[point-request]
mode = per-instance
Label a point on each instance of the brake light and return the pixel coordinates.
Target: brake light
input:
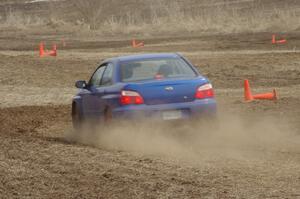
(131, 97)
(204, 91)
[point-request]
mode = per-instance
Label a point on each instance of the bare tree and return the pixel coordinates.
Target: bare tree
(90, 11)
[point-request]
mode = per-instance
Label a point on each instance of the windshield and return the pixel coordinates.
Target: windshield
(155, 69)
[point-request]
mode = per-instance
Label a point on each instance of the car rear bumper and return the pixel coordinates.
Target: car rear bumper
(186, 110)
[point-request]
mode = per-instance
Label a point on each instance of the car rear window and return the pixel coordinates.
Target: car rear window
(155, 69)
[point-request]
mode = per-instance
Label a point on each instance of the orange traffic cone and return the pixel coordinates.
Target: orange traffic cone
(247, 91)
(133, 43)
(54, 51)
(273, 39)
(136, 45)
(282, 41)
(42, 50)
(266, 96)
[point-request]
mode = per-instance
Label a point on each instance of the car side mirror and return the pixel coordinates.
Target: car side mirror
(81, 84)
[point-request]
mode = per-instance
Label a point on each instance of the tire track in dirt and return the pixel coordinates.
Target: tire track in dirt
(37, 160)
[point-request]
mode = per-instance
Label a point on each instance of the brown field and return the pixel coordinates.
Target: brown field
(252, 152)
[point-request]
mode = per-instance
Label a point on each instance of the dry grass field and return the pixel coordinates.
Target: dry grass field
(252, 152)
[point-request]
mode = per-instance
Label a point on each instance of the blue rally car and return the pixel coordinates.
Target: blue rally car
(163, 86)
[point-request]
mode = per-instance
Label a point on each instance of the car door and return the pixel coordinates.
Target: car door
(95, 101)
(98, 96)
(107, 87)
(91, 97)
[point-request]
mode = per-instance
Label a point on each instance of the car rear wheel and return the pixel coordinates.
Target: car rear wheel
(77, 118)
(107, 117)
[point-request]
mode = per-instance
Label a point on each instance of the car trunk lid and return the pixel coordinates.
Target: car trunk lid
(168, 90)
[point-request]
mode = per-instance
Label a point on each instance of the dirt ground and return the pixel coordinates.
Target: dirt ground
(253, 152)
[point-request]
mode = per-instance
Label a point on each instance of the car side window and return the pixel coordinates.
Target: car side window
(97, 76)
(107, 78)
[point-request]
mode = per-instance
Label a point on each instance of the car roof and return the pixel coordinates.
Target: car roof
(144, 56)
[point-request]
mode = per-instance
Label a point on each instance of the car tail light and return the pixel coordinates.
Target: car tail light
(204, 91)
(131, 97)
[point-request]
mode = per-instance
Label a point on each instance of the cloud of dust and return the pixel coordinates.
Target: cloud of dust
(234, 137)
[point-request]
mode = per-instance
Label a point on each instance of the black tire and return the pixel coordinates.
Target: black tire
(107, 117)
(77, 119)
